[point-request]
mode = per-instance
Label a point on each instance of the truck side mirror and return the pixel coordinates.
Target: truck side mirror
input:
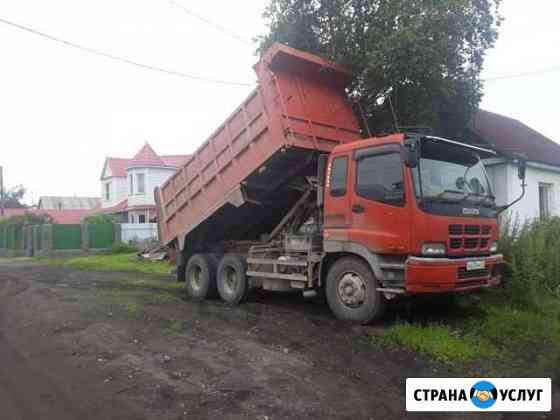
(411, 152)
(521, 163)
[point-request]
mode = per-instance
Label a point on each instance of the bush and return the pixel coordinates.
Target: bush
(123, 248)
(99, 219)
(532, 253)
(28, 218)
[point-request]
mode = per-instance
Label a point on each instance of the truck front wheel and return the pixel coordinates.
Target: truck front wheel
(351, 291)
(200, 278)
(233, 286)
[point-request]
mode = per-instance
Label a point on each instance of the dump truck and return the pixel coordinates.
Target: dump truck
(287, 195)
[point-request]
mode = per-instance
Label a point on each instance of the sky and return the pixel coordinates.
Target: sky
(63, 111)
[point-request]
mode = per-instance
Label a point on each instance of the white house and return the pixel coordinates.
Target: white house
(506, 136)
(127, 185)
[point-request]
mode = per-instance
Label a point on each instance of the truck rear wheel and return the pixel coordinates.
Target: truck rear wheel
(351, 291)
(200, 278)
(232, 282)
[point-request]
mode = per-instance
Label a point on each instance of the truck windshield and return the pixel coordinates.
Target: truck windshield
(448, 172)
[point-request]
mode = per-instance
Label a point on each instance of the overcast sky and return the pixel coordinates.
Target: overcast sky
(62, 111)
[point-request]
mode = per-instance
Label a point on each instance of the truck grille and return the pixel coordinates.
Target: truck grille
(469, 238)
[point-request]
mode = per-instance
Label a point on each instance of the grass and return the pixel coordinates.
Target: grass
(494, 333)
(117, 262)
(175, 327)
(439, 342)
(134, 309)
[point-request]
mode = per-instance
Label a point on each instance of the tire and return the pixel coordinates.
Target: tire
(181, 272)
(200, 278)
(233, 286)
(351, 291)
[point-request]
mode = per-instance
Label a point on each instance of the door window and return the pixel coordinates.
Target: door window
(380, 178)
(338, 176)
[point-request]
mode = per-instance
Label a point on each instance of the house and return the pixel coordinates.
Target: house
(506, 136)
(69, 203)
(127, 185)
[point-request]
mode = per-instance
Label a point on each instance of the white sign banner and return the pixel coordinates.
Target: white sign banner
(479, 394)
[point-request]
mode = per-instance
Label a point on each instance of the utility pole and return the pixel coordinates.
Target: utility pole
(1, 191)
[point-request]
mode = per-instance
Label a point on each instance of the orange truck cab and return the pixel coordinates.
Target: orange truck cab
(421, 206)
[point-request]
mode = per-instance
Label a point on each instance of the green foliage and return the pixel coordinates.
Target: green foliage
(12, 198)
(426, 56)
(175, 327)
(439, 342)
(532, 252)
(123, 248)
(119, 262)
(99, 219)
(134, 309)
(496, 333)
(28, 218)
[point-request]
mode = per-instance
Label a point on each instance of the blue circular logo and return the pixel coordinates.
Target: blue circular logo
(484, 394)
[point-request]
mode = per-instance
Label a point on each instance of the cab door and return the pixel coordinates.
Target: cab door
(337, 215)
(379, 208)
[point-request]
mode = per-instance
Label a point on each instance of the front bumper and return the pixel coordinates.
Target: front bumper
(440, 275)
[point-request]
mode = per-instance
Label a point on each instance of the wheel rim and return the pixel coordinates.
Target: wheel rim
(230, 281)
(351, 289)
(195, 278)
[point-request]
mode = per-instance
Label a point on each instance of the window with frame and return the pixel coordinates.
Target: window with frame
(380, 178)
(130, 184)
(339, 176)
(141, 183)
(108, 191)
(141, 218)
(545, 200)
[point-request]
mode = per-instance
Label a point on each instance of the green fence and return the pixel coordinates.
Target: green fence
(14, 238)
(48, 239)
(2, 238)
(66, 237)
(101, 236)
(37, 238)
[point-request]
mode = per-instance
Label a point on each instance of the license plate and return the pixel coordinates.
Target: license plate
(475, 265)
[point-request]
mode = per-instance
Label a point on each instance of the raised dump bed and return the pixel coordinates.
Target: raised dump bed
(243, 179)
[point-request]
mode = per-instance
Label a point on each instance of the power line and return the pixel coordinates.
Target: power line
(529, 73)
(121, 59)
(209, 22)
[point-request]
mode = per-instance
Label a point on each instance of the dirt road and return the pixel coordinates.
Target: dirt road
(91, 345)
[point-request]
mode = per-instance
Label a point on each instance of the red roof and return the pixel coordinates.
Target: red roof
(68, 217)
(146, 156)
(117, 166)
(117, 208)
(509, 135)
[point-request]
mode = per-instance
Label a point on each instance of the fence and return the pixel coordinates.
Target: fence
(139, 232)
(53, 240)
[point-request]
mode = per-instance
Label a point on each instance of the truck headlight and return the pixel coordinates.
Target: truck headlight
(433, 249)
(493, 246)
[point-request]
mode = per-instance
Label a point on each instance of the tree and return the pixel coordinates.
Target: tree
(420, 58)
(99, 219)
(12, 198)
(28, 218)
